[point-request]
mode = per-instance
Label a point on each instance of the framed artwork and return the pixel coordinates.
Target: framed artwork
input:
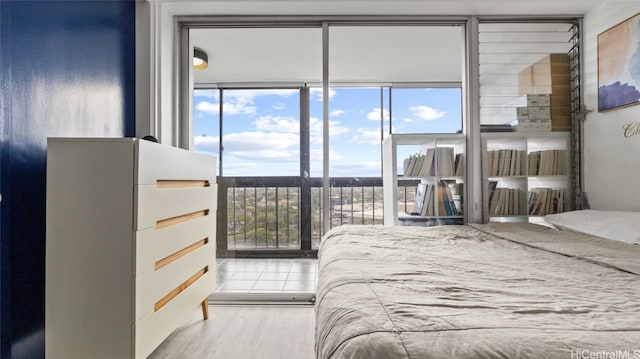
(619, 65)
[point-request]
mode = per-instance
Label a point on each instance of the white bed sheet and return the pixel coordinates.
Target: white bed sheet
(615, 225)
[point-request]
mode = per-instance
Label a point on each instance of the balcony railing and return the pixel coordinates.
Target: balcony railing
(265, 213)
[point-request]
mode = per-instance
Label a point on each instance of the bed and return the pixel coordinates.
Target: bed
(494, 290)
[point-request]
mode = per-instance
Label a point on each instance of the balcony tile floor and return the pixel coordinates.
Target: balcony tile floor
(242, 275)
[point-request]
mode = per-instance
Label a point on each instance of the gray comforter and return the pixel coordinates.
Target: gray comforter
(476, 291)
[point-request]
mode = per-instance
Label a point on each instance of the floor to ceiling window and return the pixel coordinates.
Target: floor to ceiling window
(259, 108)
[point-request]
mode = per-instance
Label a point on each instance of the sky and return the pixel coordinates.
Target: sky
(261, 128)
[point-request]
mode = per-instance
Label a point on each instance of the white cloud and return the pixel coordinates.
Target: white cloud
(208, 107)
(263, 146)
(407, 120)
(315, 127)
(374, 115)
(239, 107)
(366, 136)
(426, 112)
(259, 141)
(317, 92)
(268, 155)
(230, 108)
(364, 169)
(239, 102)
(207, 144)
(278, 124)
(210, 93)
(250, 95)
(317, 153)
(336, 113)
(279, 106)
(239, 165)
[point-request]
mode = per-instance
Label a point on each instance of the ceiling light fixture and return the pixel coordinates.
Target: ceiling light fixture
(200, 59)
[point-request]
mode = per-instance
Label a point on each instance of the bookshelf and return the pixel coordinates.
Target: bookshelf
(434, 163)
(526, 175)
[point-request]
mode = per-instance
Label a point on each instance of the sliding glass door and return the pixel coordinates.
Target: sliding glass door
(281, 137)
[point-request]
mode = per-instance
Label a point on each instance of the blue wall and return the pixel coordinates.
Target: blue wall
(68, 69)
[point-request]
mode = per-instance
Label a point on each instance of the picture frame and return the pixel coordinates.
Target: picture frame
(619, 65)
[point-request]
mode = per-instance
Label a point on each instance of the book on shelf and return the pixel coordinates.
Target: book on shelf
(428, 208)
(459, 164)
(506, 162)
(418, 203)
(543, 201)
(417, 165)
(450, 194)
(456, 189)
(491, 189)
(423, 201)
(505, 202)
(413, 165)
(443, 195)
(445, 161)
(428, 164)
(407, 165)
(546, 163)
(435, 161)
(442, 201)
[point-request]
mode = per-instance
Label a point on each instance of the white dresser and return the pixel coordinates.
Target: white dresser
(130, 244)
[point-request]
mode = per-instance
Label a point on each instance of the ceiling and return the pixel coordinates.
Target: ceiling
(357, 53)
(380, 7)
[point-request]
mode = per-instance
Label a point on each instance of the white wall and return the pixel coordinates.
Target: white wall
(611, 160)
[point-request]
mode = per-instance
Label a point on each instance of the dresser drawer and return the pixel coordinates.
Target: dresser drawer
(157, 163)
(156, 248)
(159, 207)
(152, 329)
(158, 288)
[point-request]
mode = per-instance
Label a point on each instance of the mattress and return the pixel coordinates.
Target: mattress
(475, 291)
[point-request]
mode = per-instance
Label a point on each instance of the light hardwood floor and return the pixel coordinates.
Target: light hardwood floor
(238, 332)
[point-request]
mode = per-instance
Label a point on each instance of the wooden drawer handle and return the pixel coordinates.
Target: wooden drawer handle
(180, 219)
(174, 293)
(179, 254)
(182, 183)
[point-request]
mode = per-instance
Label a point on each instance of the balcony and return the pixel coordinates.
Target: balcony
(284, 215)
